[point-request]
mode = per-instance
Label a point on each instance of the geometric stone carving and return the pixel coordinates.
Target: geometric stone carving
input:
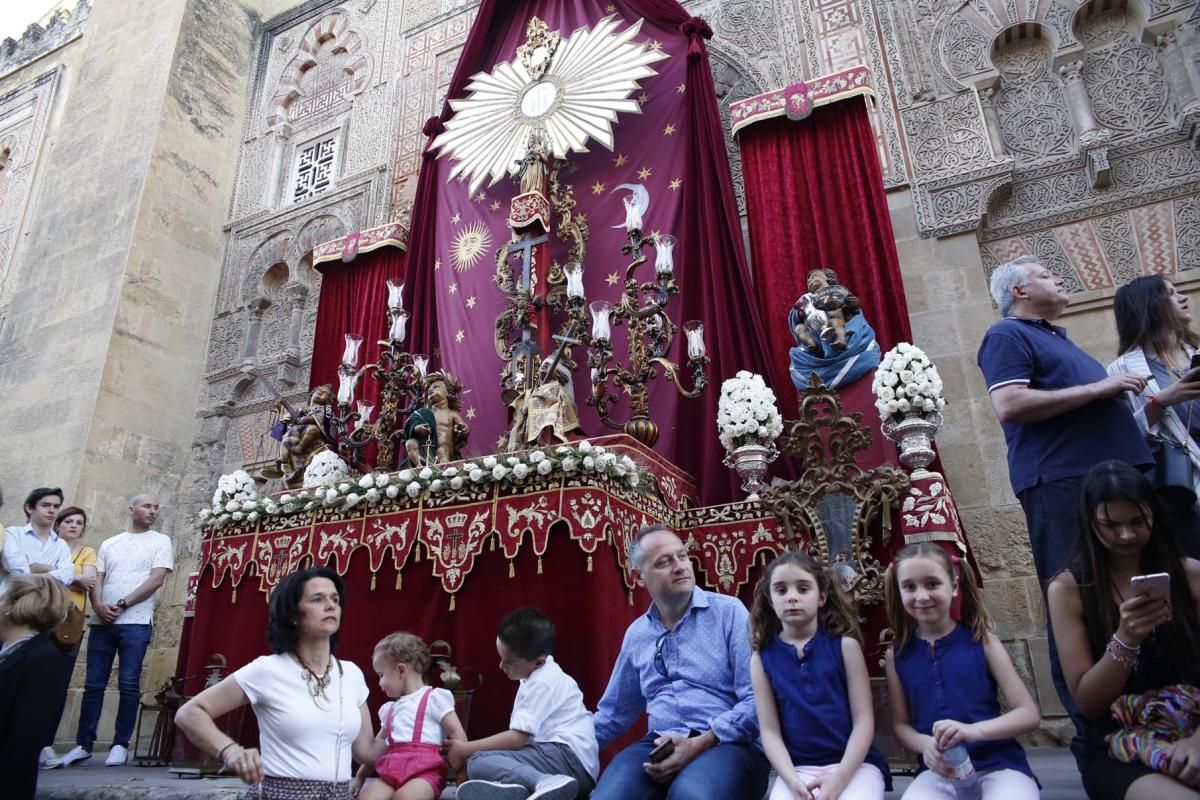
(1118, 69)
(1031, 107)
(331, 66)
(946, 136)
(64, 26)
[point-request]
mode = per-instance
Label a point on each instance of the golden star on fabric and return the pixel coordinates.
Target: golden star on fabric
(643, 97)
(613, 279)
(675, 184)
(656, 45)
(644, 173)
(610, 9)
(597, 188)
(500, 444)
(452, 288)
(669, 130)
(457, 218)
(621, 160)
(495, 206)
(581, 219)
(470, 413)
(471, 301)
(480, 197)
(656, 233)
(437, 352)
(437, 264)
(458, 337)
(681, 88)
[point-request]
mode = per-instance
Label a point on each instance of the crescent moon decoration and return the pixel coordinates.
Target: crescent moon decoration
(640, 196)
(591, 78)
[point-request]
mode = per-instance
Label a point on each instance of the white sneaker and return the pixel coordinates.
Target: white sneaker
(73, 756)
(491, 790)
(117, 757)
(556, 787)
(47, 758)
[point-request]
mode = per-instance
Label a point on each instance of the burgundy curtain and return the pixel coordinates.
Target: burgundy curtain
(699, 209)
(815, 198)
(354, 300)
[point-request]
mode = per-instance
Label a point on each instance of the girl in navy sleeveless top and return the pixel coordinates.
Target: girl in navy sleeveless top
(811, 687)
(943, 675)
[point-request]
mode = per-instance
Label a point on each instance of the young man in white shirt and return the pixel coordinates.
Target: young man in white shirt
(131, 566)
(35, 548)
(549, 751)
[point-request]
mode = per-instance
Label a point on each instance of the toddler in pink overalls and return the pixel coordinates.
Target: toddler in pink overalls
(414, 725)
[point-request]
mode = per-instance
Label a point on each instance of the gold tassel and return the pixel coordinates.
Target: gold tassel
(492, 544)
(372, 581)
(512, 573)
(629, 593)
(539, 565)
(234, 598)
(452, 599)
(399, 581)
(589, 563)
(417, 553)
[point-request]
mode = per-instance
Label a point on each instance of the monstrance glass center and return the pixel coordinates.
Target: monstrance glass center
(539, 99)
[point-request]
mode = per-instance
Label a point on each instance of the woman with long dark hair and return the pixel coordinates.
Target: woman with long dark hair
(311, 706)
(1116, 639)
(1156, 341)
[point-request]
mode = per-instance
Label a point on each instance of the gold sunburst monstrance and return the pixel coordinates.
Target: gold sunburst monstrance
(589, 79)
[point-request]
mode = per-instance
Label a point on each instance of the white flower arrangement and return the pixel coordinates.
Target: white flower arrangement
(325, 469)
(746, 412)
(339, 490)
(907, 383)
(236, 487)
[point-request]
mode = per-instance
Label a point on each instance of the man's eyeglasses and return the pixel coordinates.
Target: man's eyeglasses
(660, 661)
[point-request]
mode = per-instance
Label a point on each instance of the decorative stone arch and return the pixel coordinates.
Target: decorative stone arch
(329, 36)
(274, 249)
(322, 227)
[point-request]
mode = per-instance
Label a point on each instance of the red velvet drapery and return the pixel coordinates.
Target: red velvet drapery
(815, 198)
(699, 209)
(354, 300)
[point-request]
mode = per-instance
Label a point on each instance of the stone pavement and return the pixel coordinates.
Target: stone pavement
(93, 781)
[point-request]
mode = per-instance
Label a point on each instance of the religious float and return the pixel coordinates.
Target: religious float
(478, 439)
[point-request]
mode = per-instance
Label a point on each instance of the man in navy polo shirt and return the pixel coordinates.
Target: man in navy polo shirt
(1062, 413)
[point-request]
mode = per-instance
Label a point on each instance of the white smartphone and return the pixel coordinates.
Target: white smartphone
(1156, 586)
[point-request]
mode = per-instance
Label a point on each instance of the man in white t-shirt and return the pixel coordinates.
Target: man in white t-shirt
(131, 566)
(549, 751)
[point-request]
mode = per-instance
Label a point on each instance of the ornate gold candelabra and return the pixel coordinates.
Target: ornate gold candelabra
(401, 376)
(642, 308)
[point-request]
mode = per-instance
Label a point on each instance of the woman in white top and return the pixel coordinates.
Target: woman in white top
(311, 706)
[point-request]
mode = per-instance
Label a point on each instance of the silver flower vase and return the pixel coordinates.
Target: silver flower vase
(750, 461)
(913, 435)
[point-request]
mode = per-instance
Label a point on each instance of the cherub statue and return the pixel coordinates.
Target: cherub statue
(436, 432)
(831, 305)
(306, 434)
(832, 336)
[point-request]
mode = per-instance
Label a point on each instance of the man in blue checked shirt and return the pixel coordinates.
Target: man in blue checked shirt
(686, 662)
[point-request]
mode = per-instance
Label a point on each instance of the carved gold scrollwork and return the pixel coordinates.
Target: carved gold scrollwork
(834, 499)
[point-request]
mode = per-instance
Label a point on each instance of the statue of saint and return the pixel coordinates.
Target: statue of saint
(436, 432)
(535, 164)
(546, 414)
(306, 434)
(833, 338)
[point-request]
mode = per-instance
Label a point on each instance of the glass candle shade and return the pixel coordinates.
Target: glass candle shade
(694, 331)
(395, 294)
(421, 363)
(347, 380)
(664, 261)
(364, 414)
(633, 214)
(350, 353)
(601, 310)
(397, 330)
(574, 273)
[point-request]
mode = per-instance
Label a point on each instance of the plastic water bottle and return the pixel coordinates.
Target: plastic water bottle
(966, 779)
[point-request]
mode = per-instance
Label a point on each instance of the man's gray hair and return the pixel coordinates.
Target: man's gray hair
(635, 553)
(1008, 276)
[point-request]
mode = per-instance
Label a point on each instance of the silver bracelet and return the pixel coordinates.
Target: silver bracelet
(221, 752)
(1134, 650)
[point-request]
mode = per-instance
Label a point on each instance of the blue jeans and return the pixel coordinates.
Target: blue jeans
(129, 643)
(727, 770)
(1052, 516)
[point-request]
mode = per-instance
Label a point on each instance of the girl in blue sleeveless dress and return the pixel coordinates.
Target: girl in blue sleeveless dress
(811, 686)
(943, 676)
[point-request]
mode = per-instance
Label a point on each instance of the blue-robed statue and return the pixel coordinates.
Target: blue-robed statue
(833, 338)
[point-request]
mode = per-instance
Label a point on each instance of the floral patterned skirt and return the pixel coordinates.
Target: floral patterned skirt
(297, 789)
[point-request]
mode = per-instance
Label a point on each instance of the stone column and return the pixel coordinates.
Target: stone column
(277, 176)
(296, 294)
(255, 308)
(1078, 101)
(1175, 63)
(992, 121)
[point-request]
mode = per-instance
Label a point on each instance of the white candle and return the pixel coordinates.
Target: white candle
(694, 331)
(633, 214)
(350, 354)
(399, 322)
(664, 261)
(600, 313)
(395, 294)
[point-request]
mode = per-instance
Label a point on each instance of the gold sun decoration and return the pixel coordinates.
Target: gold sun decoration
(469, 245)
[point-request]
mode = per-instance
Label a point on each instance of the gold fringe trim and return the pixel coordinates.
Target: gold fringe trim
(399, 581)
(589, 563)
(234, 598)
(629, 594)
(539, 565)
(512, 572)
(372, 581)
(452, 599)
(492, 544)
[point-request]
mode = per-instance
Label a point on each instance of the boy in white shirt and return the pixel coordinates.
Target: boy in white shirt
(549, 751)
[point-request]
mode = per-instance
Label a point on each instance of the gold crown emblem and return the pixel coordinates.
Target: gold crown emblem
(457, 520)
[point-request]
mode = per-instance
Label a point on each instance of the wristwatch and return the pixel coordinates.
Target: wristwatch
(121, 604)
